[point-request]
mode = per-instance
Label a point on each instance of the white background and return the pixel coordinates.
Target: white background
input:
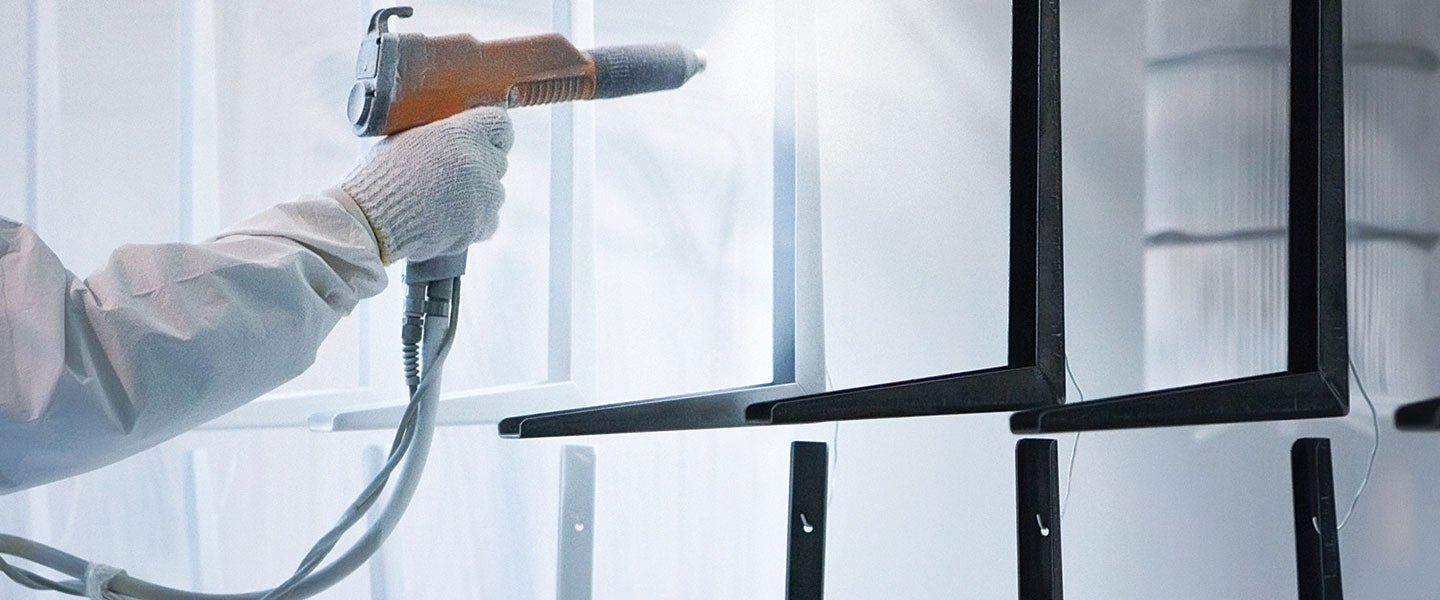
(913, 129)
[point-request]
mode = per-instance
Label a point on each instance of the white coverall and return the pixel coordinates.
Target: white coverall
(166, 337)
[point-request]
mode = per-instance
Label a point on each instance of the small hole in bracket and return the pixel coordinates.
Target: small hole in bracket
(805, 524)
(579, 527)
(1044, 531)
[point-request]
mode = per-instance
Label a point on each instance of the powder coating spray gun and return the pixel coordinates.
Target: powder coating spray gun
(403, 81)
(409, 79)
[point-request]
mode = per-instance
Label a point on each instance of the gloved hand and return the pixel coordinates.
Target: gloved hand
(434, 190)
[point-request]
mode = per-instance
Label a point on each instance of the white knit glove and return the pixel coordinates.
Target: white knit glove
(435, 189)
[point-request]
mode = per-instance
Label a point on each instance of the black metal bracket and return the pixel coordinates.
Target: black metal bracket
(1035, 371)
(1037, 525)
(1315, 383)
(1037, 519)
(809, 484)
(1317, 541)
(1419, 416)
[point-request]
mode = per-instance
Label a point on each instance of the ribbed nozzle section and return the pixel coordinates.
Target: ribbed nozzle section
(549, 91)
(627, 70)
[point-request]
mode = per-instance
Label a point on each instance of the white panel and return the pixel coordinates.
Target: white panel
(15, 87)
(697, 514)
(572, 220)
(914, 163)
(275, 493)
(281, 71)
(201, 519)
(1103, 114)
(130, 513)
(684, 204)
(914, 141)
(1392, 118)
(199, 122)
(1217, 147)
(108, 129)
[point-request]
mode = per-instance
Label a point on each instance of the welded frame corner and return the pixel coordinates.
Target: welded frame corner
(1035, 371)
(1315, 383)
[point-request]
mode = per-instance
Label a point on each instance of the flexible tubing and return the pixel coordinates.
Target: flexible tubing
(428, 397)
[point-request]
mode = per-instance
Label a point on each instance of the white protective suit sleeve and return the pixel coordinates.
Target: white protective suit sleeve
(166, 337)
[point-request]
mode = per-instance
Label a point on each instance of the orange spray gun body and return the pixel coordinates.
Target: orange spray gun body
(404, 80)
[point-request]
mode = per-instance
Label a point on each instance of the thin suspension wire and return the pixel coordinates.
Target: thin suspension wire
(835, 439)
(1374, 448)
(1074, 446)
(834, 450)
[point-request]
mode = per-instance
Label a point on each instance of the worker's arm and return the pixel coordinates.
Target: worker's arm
(166, 337)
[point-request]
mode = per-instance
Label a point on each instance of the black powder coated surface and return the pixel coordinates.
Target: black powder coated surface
(809, 484)
(1037, 519)
(1316, 382)
(1317, 541)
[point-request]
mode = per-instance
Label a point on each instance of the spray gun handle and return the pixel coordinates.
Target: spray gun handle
(435, 269)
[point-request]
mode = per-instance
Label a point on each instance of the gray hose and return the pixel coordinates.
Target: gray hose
(427, 398)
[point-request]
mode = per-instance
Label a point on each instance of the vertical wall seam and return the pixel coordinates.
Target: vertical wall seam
(32, 113)
(784, 127)
(560, 349)
(185, 99)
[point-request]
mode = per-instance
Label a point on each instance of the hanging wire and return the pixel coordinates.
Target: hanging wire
(1374, 448)
(834, 449)
(835, 438)
(1074, 446)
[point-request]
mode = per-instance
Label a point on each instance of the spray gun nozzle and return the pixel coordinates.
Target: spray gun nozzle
(701, 60)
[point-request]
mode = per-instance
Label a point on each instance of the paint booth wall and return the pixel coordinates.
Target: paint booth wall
(1167, 128)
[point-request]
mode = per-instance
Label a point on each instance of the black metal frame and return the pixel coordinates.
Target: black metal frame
(1035, 371)
(805, 550)
(1037, 525)
(1037, 520)
(1419, 416)
(1317, 539)
(1315, 383)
